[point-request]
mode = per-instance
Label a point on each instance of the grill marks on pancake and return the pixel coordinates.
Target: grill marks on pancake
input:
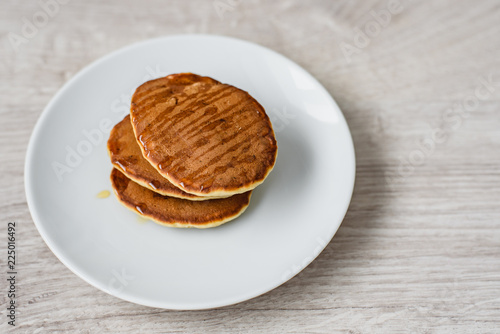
(167, 117)
(194, 137)
(231, 149)
(236, 140)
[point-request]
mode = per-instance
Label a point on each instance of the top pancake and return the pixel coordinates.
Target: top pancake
(207, 138)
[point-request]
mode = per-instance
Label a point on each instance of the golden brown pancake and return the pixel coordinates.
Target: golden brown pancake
(126, 155)
(205, 137)
(176, 212)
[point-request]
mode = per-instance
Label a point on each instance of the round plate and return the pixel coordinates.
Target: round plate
(291, 218)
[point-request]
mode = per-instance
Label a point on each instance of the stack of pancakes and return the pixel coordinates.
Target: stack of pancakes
(191, 151)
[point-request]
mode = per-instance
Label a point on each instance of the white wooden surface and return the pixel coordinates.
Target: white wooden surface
(419, 250)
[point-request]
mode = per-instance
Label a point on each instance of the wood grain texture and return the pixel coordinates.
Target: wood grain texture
(419, 250)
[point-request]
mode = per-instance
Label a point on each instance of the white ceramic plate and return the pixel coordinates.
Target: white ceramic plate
(291, 217)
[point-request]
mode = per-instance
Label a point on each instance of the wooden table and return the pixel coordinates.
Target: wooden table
(419, 250)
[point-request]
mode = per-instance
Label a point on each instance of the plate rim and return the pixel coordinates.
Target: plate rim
(67, 262)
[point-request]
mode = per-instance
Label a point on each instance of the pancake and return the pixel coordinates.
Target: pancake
(176, 212)
(126, 155)
(205, 137)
